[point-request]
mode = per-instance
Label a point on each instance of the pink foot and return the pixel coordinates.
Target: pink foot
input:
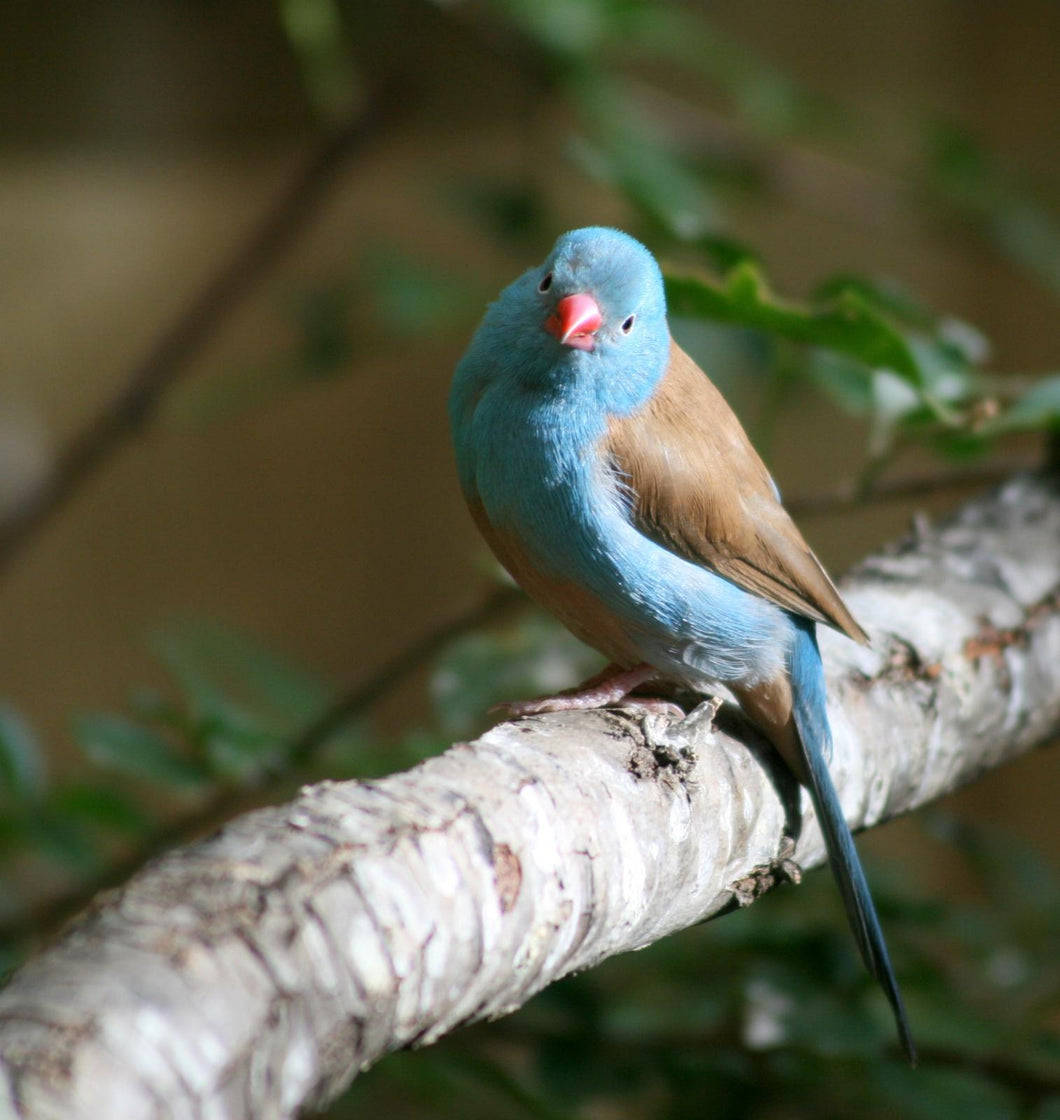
(607, 687)
(654, 706)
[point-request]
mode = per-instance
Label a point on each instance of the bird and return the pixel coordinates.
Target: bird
(614, 483)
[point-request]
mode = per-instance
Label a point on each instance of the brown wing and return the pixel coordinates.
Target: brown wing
(699, 489)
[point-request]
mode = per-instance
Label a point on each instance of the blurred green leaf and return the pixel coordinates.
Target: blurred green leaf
(943, 1094)
(22, 773)
(1017, 876)
(226, 673)
(11, 956)
(1038, 408)
(960, 445)
(106, 807)
(571, 29)
(533, 656)
(237, 748)
(495, 1077)
(151, 706)
(322, 346)
(246, 703)
(117, 743)
(894, 402)
(644, 171)
(410, 296)
(354, 753)
(848, 324)
(325, 338)
(970, 180)
(505, 211)
(597, 34)
(315, 31)
(62, 839)
(761, 95)
(888, 297)
(848, 382)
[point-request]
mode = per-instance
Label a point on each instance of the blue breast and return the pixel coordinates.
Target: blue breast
(533, 462)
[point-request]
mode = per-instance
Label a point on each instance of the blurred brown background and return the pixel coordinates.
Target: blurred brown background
(141, 142)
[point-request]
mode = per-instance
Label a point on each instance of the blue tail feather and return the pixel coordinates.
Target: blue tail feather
(811, 719)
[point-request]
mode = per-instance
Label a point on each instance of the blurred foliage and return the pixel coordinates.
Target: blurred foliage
(916, 377)
(239, 717)
(969, 182)
(315, 31)
(332, 325)
(768, 1012)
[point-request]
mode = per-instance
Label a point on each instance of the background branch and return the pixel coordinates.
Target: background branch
(257, 972)
(847, 494)
(127, 411)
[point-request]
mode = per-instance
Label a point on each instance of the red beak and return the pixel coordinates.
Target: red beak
(574, 322)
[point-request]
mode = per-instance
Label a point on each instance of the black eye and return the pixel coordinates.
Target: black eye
(546, 282)
(627, 326)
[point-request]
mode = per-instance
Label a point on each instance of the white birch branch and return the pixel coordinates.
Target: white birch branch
(255, 973)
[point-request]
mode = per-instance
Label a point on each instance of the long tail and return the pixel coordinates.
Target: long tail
(811, 719)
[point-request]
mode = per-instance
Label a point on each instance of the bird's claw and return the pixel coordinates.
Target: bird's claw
(609, 687)
(517, 709)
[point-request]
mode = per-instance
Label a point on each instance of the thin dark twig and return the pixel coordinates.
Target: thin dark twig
(126, 413)
(229, 799)
(402, 665)
(848, 496)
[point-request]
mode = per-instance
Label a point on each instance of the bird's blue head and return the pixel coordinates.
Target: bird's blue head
(591, 319)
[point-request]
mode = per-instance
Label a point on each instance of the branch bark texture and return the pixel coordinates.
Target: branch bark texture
(255, 973)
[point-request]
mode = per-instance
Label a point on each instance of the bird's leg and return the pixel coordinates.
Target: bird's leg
(608, 687)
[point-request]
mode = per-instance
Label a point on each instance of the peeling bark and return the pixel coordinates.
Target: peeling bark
(255, 973)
